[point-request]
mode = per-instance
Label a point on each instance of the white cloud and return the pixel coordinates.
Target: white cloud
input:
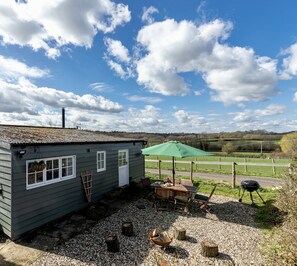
(290, 62)
(19, 95)
(182, 116)
(118, 69)
(198, 93)
(135, 98)
(234, 74)
(50, 25)
(257, 114)
(100, 87)
(11, 68)
(147, 14)
(24, 96)
(117, 49)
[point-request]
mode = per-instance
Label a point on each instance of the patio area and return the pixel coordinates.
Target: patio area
(230, 225)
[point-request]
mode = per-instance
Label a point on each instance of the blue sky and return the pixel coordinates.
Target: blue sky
(153, 66)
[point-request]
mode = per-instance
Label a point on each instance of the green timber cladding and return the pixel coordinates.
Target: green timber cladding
(23, 209)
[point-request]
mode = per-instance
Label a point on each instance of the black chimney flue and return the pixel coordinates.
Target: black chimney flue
(63, 117)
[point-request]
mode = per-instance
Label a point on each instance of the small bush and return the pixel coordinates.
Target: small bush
(282, 245)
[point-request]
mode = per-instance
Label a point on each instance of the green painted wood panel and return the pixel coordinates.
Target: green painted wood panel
(5, 196)
(34, 207)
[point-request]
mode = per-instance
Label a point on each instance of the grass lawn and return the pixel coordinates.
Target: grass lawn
(267, 171)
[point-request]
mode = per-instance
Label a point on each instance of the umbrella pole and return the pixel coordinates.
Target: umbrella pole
(173, 171)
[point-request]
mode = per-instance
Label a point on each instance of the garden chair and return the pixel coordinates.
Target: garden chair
(187, 182)
(170, 180)
(146, 185)
(161, 197)
(204, 200)
(182, 199)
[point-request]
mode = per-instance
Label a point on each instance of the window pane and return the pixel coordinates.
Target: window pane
(49, 164)
(56, 173)
(64, 172)
(39, 177)
(64, 162)
(31, 179)
(69, 161)
(49, 175)
(70, 171)
(56, 163)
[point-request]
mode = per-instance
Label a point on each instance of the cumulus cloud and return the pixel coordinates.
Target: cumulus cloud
(18, 95)
(50, 25)
(290, 62)
(11, 68)
(234, 74)
(24, 96)
(182, 116)
(147, 14)
(117, 49)
(255, 115)
(119, 69)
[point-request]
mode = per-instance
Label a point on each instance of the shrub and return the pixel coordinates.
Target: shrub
(283, 250)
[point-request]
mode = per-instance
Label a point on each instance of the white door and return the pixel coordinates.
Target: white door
(123, 167)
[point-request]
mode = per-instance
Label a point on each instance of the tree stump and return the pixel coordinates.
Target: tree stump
(112, 243)
(179, 233)
(162, 262)
(209, 248)
(127, 228)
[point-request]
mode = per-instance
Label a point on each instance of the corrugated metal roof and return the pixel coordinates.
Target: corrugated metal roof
(49, 135)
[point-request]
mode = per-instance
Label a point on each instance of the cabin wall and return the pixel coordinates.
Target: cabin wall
(37, 206)
(5, 190)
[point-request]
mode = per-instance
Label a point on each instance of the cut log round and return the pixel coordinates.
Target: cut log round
(209, 248)
(112, 243)
(179, 233)
(163, 262)
(127, 228)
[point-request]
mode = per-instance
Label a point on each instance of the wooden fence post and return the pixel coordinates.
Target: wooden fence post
(245, 166)
(233, 174)
(196, 165)
(220, 163)
(273, 167)
(159, 167)
(191, 175)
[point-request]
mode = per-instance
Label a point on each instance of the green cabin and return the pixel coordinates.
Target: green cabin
(40, 172)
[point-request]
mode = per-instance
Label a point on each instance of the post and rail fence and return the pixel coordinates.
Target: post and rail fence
(220, 163)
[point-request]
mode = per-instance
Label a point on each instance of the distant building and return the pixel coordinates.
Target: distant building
(31, 197)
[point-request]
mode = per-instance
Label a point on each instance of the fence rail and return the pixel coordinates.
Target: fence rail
(219, 163)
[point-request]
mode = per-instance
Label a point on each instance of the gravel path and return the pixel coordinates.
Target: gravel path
(231, 226)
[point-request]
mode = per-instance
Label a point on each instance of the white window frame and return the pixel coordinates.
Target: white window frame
(44, 172)
(104, 161)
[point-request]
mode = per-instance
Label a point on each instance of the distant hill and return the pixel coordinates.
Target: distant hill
(251, 141)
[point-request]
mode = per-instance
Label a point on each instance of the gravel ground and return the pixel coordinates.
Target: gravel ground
(230, 225)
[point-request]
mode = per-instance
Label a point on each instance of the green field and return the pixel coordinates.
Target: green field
(267, 171)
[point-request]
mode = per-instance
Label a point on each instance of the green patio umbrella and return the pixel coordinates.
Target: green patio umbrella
(174, 149)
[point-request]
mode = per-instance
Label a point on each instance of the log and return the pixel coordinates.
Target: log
(209, 248)
(127, 228)
(112, 243)
(179, 233)
(163, 262)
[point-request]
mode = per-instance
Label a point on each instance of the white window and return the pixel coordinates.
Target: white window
(101, 161)
(49, 170)
(123, 156)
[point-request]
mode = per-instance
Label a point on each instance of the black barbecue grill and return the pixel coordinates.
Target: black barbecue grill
(250, 186)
